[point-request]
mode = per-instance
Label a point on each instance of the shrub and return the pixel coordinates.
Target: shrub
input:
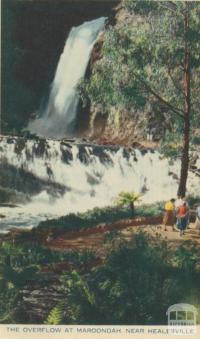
(91, 218)
(136, 285)
(196, 140)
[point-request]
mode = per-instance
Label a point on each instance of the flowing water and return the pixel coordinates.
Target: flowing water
(61, 177)
(91, 175)
(58, 119)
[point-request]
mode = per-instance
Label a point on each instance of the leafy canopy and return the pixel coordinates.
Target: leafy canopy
(142, 64)
(125, 198)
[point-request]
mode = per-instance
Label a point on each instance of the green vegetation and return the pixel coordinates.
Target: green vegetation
(151, 63)
(110, 214)
(165, 273)
(91, 218)
(196, 140)
(193, 201)
(22, 264)
(128, 199)
(12, 278)
(57, 314)
(136, 285)
(28, 254)
(171, 145)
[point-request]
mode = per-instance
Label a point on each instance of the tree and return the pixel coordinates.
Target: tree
(153, 60)
(128, 198)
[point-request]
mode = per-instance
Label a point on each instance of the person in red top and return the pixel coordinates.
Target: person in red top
(182, 216)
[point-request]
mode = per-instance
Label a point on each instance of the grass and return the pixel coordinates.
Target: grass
(35, 254)
(110, 214)
(91, 218)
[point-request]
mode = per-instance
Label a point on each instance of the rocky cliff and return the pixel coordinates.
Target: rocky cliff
(116, 125)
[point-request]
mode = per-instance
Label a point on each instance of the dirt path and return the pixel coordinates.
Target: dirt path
(96, 240)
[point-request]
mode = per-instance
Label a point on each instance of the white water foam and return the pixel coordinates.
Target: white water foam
(94, 183)
(60, 114)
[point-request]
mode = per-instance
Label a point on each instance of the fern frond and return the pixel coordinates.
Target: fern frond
(57, 315)
(125, 198)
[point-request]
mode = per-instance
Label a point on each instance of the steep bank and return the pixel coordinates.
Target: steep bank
(127, 84)
(113, 123)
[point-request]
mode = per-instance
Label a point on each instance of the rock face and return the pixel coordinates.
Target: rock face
(115, 126)
(38, 298)
(119, 125)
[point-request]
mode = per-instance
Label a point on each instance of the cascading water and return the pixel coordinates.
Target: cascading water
(60, 114)
(85, 176)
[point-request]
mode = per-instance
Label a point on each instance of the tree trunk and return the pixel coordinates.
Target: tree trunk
(187, 111)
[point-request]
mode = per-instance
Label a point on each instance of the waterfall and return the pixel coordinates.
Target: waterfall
(77, 177)
(58, 119)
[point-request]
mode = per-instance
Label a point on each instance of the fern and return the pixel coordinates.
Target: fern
(126, 198)
(57, 315)
(83, 287)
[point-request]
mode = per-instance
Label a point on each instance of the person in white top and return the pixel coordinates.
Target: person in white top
(179, 202)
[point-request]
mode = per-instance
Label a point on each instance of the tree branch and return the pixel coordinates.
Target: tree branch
(177, 111)
(175, 85)
(164, 6)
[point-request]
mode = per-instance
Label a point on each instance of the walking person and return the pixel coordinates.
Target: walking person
(178, 203)
(169, 215)
(182, 216)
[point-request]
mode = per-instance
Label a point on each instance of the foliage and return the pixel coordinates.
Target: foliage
(136, 285)
(171, 145)
(150, 210)
(12, 279)
(12, 270)
(74, 282)
(187, 257)
(151, 63)
(57, 314)
(91, 218)
(8, 297)
(30, 254)
(111, 236)
(196, 140)
(147, 51)
(193, 200)
(128, 198)
(20, 264)
(125, 198)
